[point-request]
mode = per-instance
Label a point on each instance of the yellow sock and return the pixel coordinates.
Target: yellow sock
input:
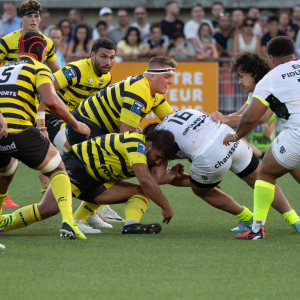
(291, 217)
(135, 208)
(25, 216)
(43, 191)
(2, 198)
(245, 215)
(84, 210)
(61, 188)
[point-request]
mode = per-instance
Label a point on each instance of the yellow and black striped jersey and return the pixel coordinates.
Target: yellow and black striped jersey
(19, 81)
(78, 81)
(128, 101)
(9, 47)
(110, 157)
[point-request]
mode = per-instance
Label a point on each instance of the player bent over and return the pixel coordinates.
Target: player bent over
(278, 90)
(196, 135)
(97, 168)
(22, 78)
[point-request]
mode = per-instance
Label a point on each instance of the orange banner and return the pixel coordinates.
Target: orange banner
(195, 85)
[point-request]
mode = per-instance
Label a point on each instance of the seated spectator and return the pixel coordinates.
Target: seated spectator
(118, 33)
(224, 34)
(273, 25)
(131, 46)
(171, 24)
(55, 35)
(140, 14)
(246, 41)
(181, 48)
(217, 9)
(191, 27)
(10, 21)
(209, 49)
(45, 23)
(66, 29)
(204, 29)
(105, 15)
(157, 43)
(81, 46)
(292, 31)
(261, 26)
(284, 20)
(296, 15)
(101, 28)
(76, 18)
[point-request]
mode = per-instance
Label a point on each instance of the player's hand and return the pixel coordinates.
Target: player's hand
(218, 117)
(229, 138)
(3, 127)
(167, 214)
(44, 131)
(177, 170)
(82, 128)
(139, 130)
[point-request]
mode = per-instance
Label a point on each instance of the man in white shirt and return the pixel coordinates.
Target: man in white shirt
(45, 23)
(105, 14)
(140, 14)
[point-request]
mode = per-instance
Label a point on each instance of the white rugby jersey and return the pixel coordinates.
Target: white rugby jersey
(249, 98)
(190, 127)
(279, 90)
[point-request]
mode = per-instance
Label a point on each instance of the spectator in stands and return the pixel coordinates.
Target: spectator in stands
(66, 29)
(224, 34)
(171, 24)
(237, 19)
(181, 48)
(157, 43)
(118, 33)
(76, 18)
(246, 40)
(55, 35)
(209, 49)
(296, 15)
(10, 21)
(191, 27)
(101, 28)
(253, 13)
(131, 46)
(140, 14)
(284, 20)
(273, 25)
(105, 15)
(81, 46)
(204, 29)
(45, 23)
(216, 10)
(292, 31)
(261, 26)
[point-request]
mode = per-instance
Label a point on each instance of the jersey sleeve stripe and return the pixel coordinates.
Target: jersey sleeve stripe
(32, 71)
(163, 101)
(76, 69)
(52, 48)
(3, 43)
(131, 149)
(263, 101)
(49, 56)
(42, 69)
(135, 97)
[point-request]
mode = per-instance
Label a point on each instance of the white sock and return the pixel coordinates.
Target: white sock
(257, 225)
(129, 222)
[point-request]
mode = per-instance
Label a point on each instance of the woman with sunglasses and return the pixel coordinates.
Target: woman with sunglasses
(65, 27)
(246, 40)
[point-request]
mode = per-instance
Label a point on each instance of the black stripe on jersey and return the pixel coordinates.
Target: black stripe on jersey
(96, 114)
(115, 101)
(100, 154)
(79, 152)
(85, 88)
(27, 91)
(69, 81)
(9, 58)
(80, 96)
(42, 69)
(91, 160)
(121, 86)
(131, 149)
(135, 79)
(108, 83)
(135, 97)
(107, 115)
(163, 101)
(1, 52)
(76, 69)
(49, 56)
(25, 78)
(12, 115)
(128, 106)
(16, 106)
(13, 51)
(17, 126)
(117, 153)
(2, 42)
(102, 144)
(32, 71)
(129, 140)
(52, 48)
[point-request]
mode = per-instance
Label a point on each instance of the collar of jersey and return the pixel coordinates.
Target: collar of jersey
(288, 61)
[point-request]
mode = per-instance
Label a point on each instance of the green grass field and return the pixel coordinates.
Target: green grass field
(194, 257)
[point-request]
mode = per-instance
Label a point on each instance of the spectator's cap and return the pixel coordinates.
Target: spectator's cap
(105, 10)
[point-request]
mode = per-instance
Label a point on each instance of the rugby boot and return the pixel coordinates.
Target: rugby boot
(250, 235)
(71, 231)
(138, 228)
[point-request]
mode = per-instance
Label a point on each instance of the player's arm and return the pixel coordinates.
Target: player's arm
(53, 66)
(269, 128)
(152, 190)
(3, 127)
(163, 109)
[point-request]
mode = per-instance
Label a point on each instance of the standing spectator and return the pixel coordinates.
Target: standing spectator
(209, 49)
(224, 34)
(284, 20)
(45, 22)
(101, 28)
(217, 9)
(55, 35)
(191, 27)
(131, 46)
(66, 29)
(81, 46)
(171, 24)
(157, 43)
(181, 48)
(105, 15)
(273, 25)
(76, 18)
(118, 33)
(296, 15)
(246, 40)
(10, 21)
(140, 14)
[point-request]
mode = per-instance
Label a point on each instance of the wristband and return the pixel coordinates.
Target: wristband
(40, 115)
(236, 137)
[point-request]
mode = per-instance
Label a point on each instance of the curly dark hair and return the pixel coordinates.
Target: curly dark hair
(103, 43)
(164, 141)
(251, 63)
(30, 6)
(281, 46)
(150, 127)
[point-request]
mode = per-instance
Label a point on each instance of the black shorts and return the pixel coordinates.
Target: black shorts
(74, 137)
(54, 124)
(84, 186)
(28, 146)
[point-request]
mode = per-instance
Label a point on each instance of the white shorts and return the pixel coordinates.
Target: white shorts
(286, 149)
(211, 162)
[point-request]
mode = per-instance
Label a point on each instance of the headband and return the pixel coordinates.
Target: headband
(160, 71)
(29, 12)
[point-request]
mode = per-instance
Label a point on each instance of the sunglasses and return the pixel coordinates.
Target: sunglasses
(248, 25)
(225, 14)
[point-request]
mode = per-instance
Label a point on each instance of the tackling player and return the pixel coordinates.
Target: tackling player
(278, 90)
(3, 126)
(20, 80)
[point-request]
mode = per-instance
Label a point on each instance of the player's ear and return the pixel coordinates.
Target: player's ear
(92, 54)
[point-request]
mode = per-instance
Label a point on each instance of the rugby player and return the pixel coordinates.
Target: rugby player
(97, 168)
(20, 80)
(196, 134)
(278, 90)
(3, 126)
(251, 68)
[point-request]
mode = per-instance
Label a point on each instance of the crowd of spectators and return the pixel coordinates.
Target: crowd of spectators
(224, 35)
